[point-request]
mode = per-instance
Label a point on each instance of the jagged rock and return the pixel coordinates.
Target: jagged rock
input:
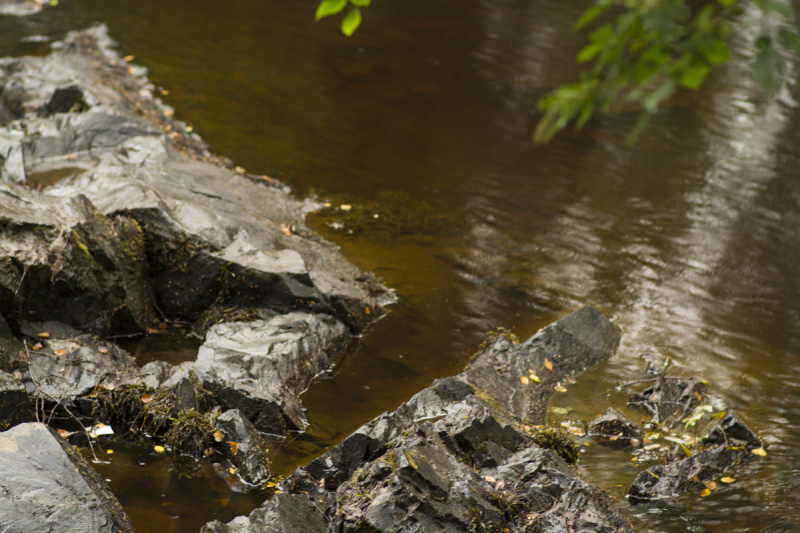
(669, 399)
(47, 486)
(614, 430)
(243, 447)
(731, 443)
(458, 456)
(15, 404)
(261, 367)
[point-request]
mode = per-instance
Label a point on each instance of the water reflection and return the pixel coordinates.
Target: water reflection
(689, 239)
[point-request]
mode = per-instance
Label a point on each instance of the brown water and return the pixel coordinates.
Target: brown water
(689, 239)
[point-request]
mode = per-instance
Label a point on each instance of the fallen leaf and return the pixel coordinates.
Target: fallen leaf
(634, 459)
(759, 451)
(308, 364)
(561, 388)
(697, 395)
(652, 447)
(147, 398)
(209, 452)
(524, 380)
(345, 207)
(285, 229)
(36, 347)
(704, 493)
(109, 452)
(43, 335)
(165, 92)
(231, 470)
(219, 436)
(17, 374)
(103, 350)
(499, 485)
(234, 447)
(129, 58)
(64, 433)
(159, 449)
(489, 479)
(548, 365)
(710, 485)
(727, 479)
(189, 129)
(240, 170)
(367, 309)
(169, 112)
(534, 377)
(59, 352)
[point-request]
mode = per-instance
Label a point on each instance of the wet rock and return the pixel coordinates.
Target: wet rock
(732, 431)
(47, 486)
(20, 8)
(459, 455)
(66, 100)
(669, 399)
(16, 406)
(243, 447)
(614, 430)
(261, 367)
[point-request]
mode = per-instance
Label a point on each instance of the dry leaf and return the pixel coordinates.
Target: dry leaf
(234, 447)
(147, 398)
(159, 449)
(699, 398)
(367, 309)
(128, 58)
(109, 452)
(727, 479)
(561, 388)
(548, 365)
(345, 207)
(759, 451)
(286, 230)
(64, 433)
(103, 350)
(36, 347)
(534, 377)
(219, 436)
(43, 335)
(499, 485)
(209, 452)
(489, 479)
(524, 380)
(17, 374)
(165, 92)
(705, 492)
(710, 485)
(240, 170)
(189, 129)
(59, 352)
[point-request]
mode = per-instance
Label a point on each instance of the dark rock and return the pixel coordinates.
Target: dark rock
(669, 399)
(731, 431)
(66, 100)
(47, 486)
(243, 447)
(458, 456)
(261, 367)
(614, 430)
(15, 404)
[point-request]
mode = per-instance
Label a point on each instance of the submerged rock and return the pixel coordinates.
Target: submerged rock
(459, 455)
(614, 430)
(47, 486)
(669, 399)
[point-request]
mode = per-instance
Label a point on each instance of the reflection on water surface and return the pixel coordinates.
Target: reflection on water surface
(688, 239)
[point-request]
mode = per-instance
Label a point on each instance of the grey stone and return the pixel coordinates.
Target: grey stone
(614, 430)
(243, 447)
(46, 486)
(15, 404)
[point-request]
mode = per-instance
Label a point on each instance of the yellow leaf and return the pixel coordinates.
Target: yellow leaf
(231, 470)
(109, 452)
(759, 451)
(524, 380)
(727, 479)
(548, 365)
(159, 449)
(534, 377)
(286, 230)
(345, 207)
(561, 388)
(44, 335)
(710, 485)
(705, 492)
(219, 436)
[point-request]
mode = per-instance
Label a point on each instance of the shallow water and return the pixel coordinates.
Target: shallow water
(688, 240)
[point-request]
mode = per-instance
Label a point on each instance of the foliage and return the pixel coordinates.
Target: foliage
(653, 48)
(351, 21)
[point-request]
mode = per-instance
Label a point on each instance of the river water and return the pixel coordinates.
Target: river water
(689, 240)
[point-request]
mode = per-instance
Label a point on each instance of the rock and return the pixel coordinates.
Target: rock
(669, 399)
(20, 8)
(15, 404)
(458, 456)
(47, 486)
(614, 430)
(243, 447)
(261, 367)
(732, 431)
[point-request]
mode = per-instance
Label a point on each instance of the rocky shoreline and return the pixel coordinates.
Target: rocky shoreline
(115, 221)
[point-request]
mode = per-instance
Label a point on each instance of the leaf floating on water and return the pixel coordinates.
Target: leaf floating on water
(234, 447)
(219, 436)
(159, 449)
(710, 485)
(727, 479)
(548, 365)
(43, 335)
(705, 492)
(561, 388)
(345, 207)
(109, 452)
(128, 59)
(759, 451)
(524, 380)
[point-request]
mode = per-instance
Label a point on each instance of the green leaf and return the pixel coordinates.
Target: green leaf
(781, 8)
(664, 90)
(360, 3)
(789, 39)
(590, 15)
(727, 3)
(693, 76)
(351, 21)
(601, 34)
(330, 7)
(768, 66)
(717, 53)
(588, 53)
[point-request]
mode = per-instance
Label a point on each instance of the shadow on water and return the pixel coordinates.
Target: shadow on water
(689, 240)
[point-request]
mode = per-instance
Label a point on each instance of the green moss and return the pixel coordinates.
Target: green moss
(558, 440)
(131, 242)
(191, 432)
(81, 246)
